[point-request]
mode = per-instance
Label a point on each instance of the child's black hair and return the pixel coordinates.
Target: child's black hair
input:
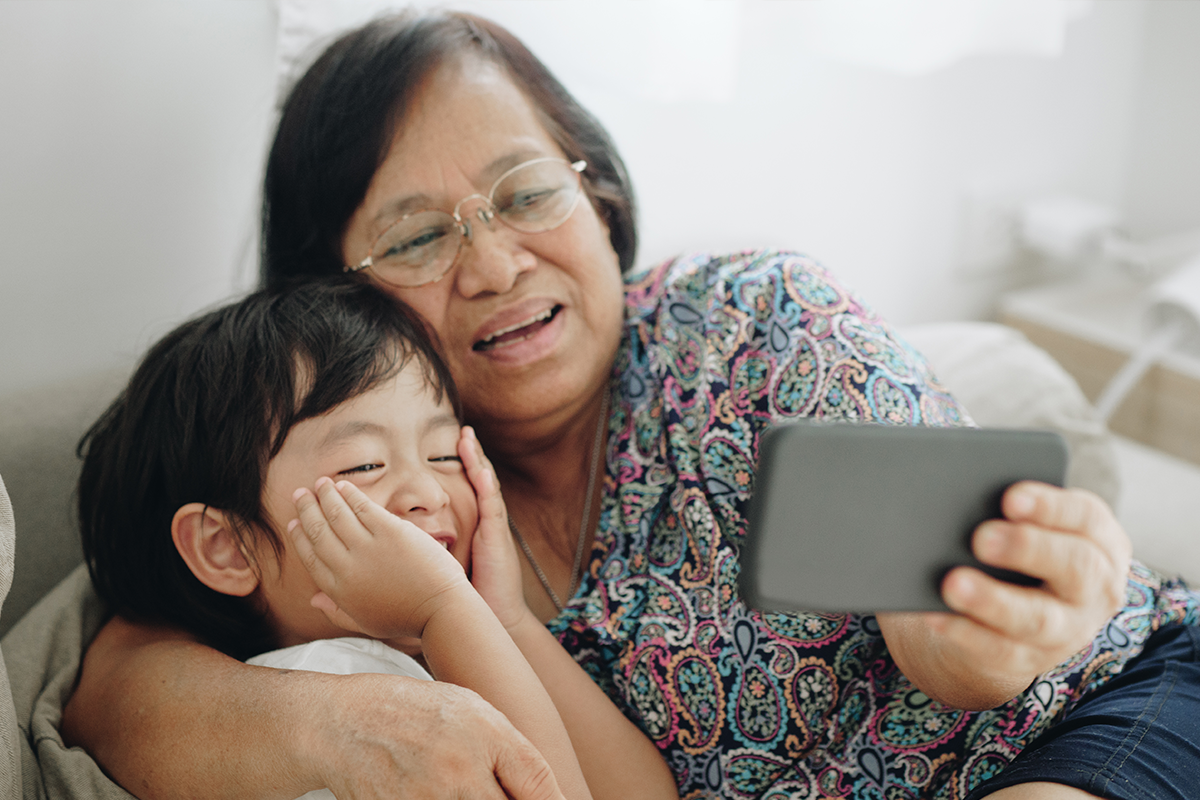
(202, 416)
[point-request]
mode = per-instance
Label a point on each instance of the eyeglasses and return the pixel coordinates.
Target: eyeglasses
(421, 246)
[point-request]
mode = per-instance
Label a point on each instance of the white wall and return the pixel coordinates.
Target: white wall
(131, 138)
(131, 135)
(1163, 194)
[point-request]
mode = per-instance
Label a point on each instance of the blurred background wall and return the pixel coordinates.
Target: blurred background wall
(132, 134)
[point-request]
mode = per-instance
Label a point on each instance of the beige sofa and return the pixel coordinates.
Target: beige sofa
(1001, 379)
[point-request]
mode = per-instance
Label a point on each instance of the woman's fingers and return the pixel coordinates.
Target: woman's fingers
(397, 737)
(1070, 565)
(980, 644)
(1070, 511)
(1069, 538)
(1021, 613)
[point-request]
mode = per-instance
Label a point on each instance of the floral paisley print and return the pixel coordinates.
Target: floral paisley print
(750, 705)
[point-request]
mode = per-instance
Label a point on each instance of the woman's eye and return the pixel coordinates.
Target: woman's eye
(417, 242)
(528, 200)
(360, 468)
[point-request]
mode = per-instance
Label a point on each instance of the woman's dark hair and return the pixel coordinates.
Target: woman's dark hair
(204, 413)
(339, 119)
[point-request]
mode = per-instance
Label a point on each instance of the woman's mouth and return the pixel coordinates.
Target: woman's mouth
(516, 333)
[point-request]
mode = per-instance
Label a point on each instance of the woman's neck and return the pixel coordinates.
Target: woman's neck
(545, 482)
(544, 460)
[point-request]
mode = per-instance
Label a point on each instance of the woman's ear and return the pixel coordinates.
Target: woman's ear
(205, 539)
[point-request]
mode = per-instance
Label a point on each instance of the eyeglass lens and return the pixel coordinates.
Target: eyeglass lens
(535, 197)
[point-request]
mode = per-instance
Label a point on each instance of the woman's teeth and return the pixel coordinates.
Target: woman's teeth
(506, 336)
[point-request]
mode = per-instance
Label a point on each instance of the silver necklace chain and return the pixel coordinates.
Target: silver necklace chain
(597, 448)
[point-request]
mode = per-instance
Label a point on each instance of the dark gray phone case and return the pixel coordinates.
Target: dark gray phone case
(865, 517)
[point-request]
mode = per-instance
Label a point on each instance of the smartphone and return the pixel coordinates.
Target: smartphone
(858, 517)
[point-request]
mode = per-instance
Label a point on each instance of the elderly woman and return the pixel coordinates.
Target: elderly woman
(437, 157)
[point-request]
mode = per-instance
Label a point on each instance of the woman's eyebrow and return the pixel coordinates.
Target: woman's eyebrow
(507, 162)
(394, 209)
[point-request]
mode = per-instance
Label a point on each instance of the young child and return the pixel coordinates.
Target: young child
(290, 470)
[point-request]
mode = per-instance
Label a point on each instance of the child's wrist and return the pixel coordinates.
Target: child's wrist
(524, 623)
(457, 603)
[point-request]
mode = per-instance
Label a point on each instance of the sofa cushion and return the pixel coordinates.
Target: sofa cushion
(39, 430)
(10, 762)
(43, 651)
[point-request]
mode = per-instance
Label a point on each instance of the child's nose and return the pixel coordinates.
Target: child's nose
(417, 494)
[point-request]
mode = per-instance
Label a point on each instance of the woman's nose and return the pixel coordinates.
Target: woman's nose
(491, 260)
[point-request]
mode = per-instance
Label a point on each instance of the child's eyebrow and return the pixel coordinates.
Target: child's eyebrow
(446, 420)
(349, 430)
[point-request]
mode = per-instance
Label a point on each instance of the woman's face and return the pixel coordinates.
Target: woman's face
(529, 323)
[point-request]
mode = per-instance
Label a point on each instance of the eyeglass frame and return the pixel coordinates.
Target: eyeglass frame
(486, 213)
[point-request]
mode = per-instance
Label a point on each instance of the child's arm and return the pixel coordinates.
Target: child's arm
(618, 760)
(391, 580)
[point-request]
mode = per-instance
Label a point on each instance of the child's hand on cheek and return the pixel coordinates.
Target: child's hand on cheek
(495, 569)
(385, 577)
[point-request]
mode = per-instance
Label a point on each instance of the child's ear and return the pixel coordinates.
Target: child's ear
(204, 538)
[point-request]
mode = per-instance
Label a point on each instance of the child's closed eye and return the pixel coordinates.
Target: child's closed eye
(361, 468)
(438, 459)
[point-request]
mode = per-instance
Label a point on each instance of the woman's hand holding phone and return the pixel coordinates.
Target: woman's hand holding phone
(1004, 635)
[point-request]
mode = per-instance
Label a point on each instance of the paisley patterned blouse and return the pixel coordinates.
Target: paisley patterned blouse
(745, 704)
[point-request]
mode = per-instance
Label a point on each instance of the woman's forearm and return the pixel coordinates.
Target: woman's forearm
(618, 760)
(167, 717)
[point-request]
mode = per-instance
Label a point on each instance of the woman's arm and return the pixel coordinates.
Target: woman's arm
(167, 717)
(617, 759)
(1004, 635)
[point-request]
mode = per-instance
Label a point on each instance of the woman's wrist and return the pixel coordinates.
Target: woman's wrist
(943, 671)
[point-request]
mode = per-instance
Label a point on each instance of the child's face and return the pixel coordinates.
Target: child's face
(400, 447)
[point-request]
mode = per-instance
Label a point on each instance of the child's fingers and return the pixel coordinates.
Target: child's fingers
(370, 517)
(482, 476)
(321, 574)
(323, 539)
(469, 450)
(341, 513)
